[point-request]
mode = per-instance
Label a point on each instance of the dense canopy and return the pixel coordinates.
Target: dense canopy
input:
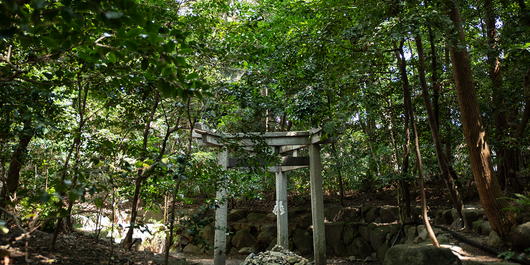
(98, 98)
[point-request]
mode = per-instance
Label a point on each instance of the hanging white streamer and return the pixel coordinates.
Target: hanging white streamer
(275, 210)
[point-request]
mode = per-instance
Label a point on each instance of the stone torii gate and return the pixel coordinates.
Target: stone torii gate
(282, 143)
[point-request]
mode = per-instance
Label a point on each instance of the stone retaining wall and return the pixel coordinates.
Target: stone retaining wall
(358, 232)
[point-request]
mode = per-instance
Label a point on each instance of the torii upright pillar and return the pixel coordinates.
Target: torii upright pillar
(317, 204)
(219, 256)
(281, 206)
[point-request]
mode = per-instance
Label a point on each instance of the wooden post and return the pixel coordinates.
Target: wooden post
(219, 257)
(281, 209)
(317, 204)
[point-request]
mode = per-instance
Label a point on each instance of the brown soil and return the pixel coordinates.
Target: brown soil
(80, 248)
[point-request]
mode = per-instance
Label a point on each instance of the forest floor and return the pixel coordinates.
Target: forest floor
(83, 248)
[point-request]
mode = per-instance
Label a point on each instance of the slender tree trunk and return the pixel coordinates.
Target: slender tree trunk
(436, 87)
(479, 153)
(82, 113)
(339, 167)
(17, 160)
(127, 241)
(449, 183)
(428, 227)
(405, 207)
(408, 109)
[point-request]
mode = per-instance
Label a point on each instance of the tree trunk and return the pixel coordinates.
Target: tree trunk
(17, 160)
(127, 241)
(479, 153)
(406, 211)
(434, 131)
(339, 167)
(436, 87)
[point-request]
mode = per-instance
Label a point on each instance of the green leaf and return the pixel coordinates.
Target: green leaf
(73, 195)
(121, 33)
(180, 61)
(134, 32)
(113, 15)
(145, 63)
(186, 50)
(45, 197)
(48, 42)
(168, 71)
(112, 57)
(199, 95)
(131, 45)
(165, 88)
(192, 76)
(153, 37)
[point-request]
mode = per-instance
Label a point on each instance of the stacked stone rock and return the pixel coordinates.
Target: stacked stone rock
(277, 255)
(358, 232)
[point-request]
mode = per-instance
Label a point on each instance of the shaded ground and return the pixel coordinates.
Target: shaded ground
(80, 248)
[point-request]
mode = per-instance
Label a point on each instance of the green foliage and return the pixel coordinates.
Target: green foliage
(80, 79)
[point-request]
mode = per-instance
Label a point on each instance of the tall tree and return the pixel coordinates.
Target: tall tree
(455, 196)
(479, 153)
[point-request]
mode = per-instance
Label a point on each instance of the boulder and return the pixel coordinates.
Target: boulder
(250, 227)
(422, 236)
(476, 226)
(520, 236)
(372, 214)
(256, 217)
(291, 228)
(359, 247)
(495, 241)
(416, 212)
(340, 249)
(349, 234)
(411, 233)
(208, 234)
(247, 250)
(384, 249)
(364, 231)
(378, 236)
(192, 249)
(265, 238)
(388, 213)
(243, 238)
(273, 229)
(438, 219)
(394, 229)
(330, 213)
(236, 215)
(333, 232)
(443, 238)
(420, 255)
(364, 210)
(347, 214)
(228, 243)
(303, 241)
(306, 221)
(457, 224)
(470, 216)
(271, 217)
(485, 228)
(447, 217)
